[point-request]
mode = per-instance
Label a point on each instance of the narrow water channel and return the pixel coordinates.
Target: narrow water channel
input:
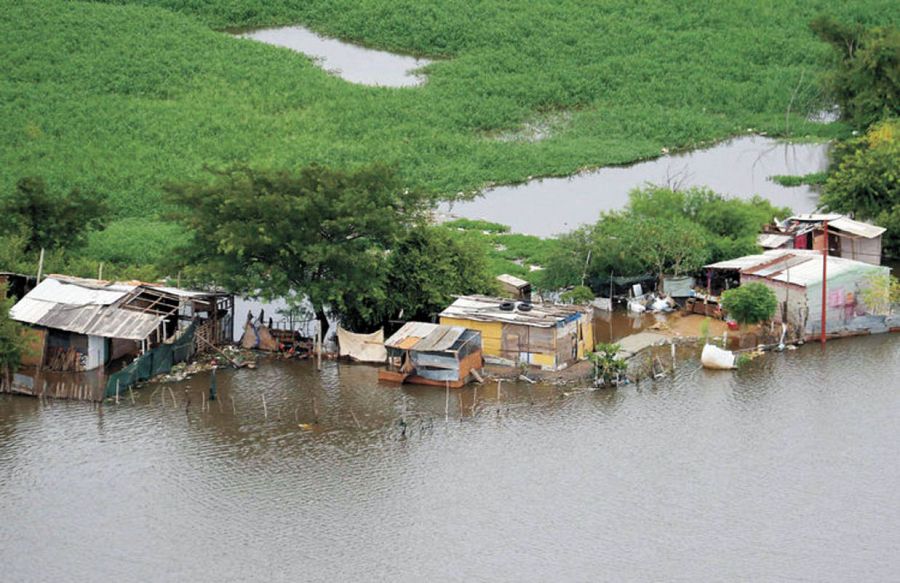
(354, 63)
(740, 168)
(785, 470)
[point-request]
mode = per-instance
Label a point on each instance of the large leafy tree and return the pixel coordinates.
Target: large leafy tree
(50, 220)
(865, 78)
(320, 232)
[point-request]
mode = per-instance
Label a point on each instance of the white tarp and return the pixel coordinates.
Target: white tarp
(362, 347)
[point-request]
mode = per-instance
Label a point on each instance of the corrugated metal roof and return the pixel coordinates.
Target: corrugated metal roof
(423, 336)
(857, 228)
(745, 262)
(91, 319)
(76, 292)
(772, 240)
(83, 307)
(442, 338)
(487, 309)
(809, 272)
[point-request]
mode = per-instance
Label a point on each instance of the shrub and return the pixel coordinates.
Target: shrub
(750, 303)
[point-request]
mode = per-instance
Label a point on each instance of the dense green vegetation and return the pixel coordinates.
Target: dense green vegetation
(811, 179)
(864, 179)
(865, 77)
(512, 253)
(354, 243)
(121, 98)
(11, 344)
(661, 231)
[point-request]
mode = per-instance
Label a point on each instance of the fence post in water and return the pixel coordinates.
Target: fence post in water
(447, 402)
(673, 354)
(117, 391)
(265, 409)
(499, 381)
(212, 385)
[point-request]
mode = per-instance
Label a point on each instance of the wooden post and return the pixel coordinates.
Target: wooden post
(265, 408)
(673, 354)
(824, 280)
(447, 402)
(100, 271)
(117, 391)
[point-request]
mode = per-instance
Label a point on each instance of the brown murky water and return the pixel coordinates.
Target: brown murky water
(785, 470)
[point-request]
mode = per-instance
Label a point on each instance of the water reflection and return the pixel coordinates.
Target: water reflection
(354, 63)
(740, 167)
(783, 470)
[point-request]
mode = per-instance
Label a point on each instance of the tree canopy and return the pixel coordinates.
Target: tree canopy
(661, 231)
(865, 78)
(865, 180)
(321, 232)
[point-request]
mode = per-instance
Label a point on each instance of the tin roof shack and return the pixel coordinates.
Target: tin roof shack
(514, 287)
(546, 335)
(847, 238)
(85, 324)
(796, 278)
(432, 354)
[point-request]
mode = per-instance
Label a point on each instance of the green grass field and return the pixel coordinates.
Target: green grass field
(123, 97)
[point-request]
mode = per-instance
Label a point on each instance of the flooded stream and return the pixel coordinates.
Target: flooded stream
(740, 167)
(354, 63)
(784, 470)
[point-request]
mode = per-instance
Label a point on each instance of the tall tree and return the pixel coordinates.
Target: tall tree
(320, 232)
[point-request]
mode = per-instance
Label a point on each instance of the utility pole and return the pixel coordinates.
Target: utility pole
(824, 280)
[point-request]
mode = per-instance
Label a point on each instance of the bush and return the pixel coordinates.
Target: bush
(750, 303)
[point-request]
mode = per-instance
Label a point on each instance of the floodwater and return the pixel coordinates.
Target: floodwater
(354, 63)
(740, 168)
(785, 470)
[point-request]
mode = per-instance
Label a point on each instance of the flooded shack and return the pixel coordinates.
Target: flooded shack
(549, 336)
(431, 354)
(796, 277)
(847, 238)
(78, 326)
